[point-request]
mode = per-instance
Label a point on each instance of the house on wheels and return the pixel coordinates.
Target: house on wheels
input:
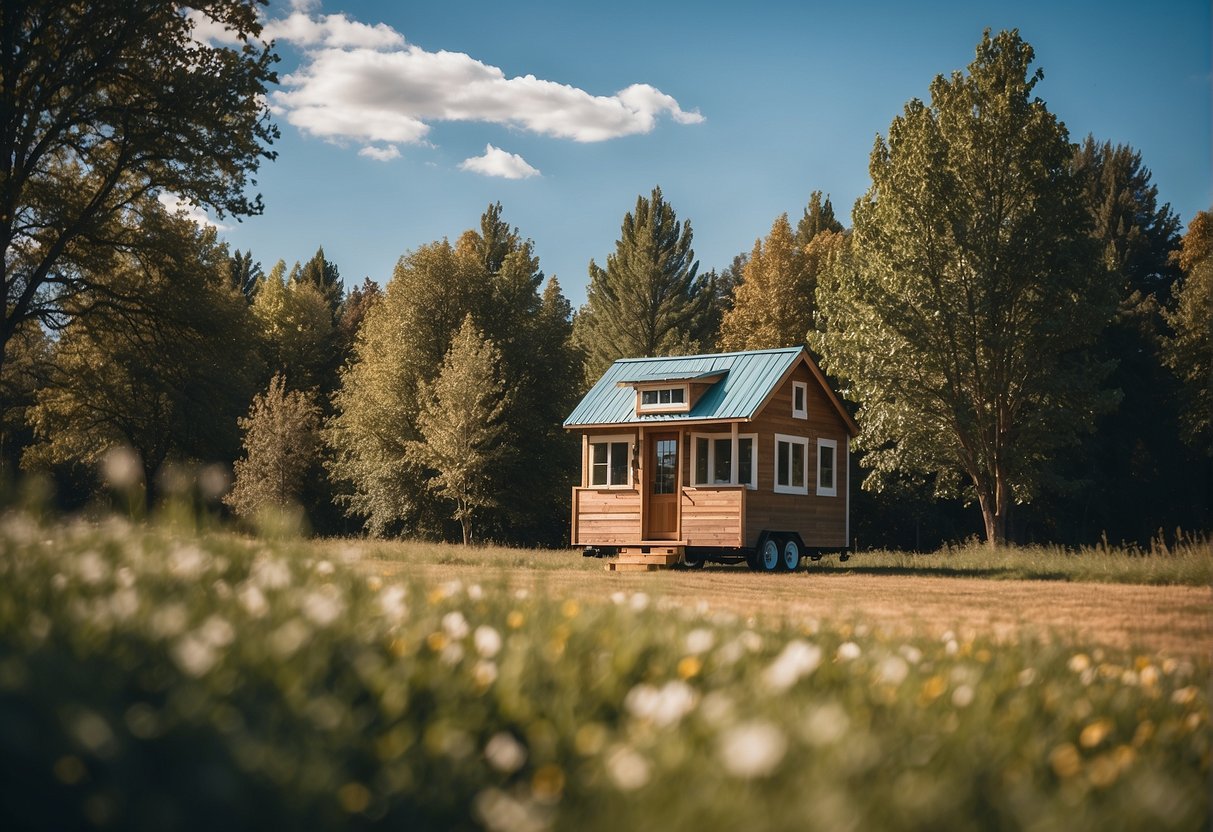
(729, 457)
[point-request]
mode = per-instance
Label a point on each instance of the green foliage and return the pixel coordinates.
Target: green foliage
(962, 315)
(647, 301)
(106, 103)
(493, 275)
(325, 276)
(152, 681)
(281, 445)
(245, 274)
(25, 371)
(296, 329)
(818, 219)
(460, 425)
(161, 363)
(1189, 352)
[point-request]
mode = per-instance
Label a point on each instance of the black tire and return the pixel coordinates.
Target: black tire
(769, 555)
(690, 561)
(789, 555)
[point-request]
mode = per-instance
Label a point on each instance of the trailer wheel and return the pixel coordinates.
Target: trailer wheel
(791, 555)
(690, 561)
(768, 558)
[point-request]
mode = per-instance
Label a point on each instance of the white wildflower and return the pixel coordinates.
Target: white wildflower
(125, 576)
(752, 749)
(168, 620)
(187, 561)
(639, 601)
(475, 592)
(500, 811)
(288, 638)
(391, 601)
(521, 594)
(848, 651)
(452, 654)
(892, 670)
(216, 632)
(1026, 676)
(92, 568)
(700, 640)
(826, 725)
(1079, 662)
(797, 660)
(324, 567)
(628, 769)
(121, 468)
(270, 573)
(717, 708)
(910, 653)
(194, 656)
(484, 672)
(455, 625)
(962, 697)
(662, 706)
(323, 606)
(487, 641)
(618, 597)
(505, 753)
(951, 648)
(751, 641)
(253, 601)
(124, 603)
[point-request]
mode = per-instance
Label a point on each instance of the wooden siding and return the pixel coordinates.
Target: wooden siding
(605, 517)
(712, 516)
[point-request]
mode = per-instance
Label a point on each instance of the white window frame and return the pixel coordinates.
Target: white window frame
(803, 441)
(712, 438)
(608, 441)
(803, 387)
(832, 444)
(669, 407)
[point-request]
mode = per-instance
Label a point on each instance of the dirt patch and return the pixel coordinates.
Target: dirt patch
(1176, 620)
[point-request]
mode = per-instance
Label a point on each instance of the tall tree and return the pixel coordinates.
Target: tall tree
(325, 276)
(1189, 351)
(460, 426)
(244, 274)
(281, 444)
(818, 218)
(774, 304)
(647, 301)
(166, 372)
(296, 329)
(354, 307)
(102, 104)
(962, 318)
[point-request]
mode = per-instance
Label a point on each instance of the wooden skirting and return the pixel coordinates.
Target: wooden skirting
(646, 558)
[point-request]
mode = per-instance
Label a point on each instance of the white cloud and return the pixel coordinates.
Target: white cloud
(496, 162)
(176, 204)
(380, 154)
(211, 32)
(365, 84)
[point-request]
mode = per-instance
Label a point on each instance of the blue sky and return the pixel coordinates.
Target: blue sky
(741, 111)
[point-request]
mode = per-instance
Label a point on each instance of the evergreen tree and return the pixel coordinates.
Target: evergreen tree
(1189, 351)
(818, 218)
(296, 330)
(353, 310)
(460, 426)
(647, 301)
(324, 275)
(962, 319)
(281, 445)
(244, 274)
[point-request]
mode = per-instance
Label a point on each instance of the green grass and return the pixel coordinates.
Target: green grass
(153, 679)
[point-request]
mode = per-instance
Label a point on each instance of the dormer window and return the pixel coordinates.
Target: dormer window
(662, 399)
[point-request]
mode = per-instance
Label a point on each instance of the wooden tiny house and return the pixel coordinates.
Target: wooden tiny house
(713, 457)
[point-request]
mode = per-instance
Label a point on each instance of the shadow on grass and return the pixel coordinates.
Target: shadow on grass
(989, 573)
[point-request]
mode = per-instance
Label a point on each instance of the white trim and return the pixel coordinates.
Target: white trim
(832, 444)
(847, 509)
(734, 470)
(803, 387)
(607, 440)
(803, 442)
(683, 406)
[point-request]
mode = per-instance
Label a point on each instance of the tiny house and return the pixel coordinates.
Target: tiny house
(727, 457)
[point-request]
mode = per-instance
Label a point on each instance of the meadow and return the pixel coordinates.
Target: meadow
(154, 677)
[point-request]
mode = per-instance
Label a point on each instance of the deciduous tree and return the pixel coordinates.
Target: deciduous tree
(1189, 352)
(962, 318)
(296, 329)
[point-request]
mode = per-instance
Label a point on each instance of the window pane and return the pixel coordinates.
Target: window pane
(826, 467)
(782, 461)
(676, 395)
(798, 398)
(665, 475)
(722, 472)
(619, 463)
(797, 465)
(701, 461)
(648, 397)
(745, 461)
(664, 396)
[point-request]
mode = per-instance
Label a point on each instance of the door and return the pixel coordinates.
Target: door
(662, 482)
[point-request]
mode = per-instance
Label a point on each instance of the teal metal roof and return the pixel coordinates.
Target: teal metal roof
(749, 378)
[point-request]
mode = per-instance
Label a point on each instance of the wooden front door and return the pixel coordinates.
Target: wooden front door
(662, 483)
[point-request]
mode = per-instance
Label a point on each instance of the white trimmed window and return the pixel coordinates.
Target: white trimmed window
(712, 459)
(791, 464)
(800, 400)
(827, 468)
(611, 461)
(663, 398)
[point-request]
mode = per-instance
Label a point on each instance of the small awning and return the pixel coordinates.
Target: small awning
(709, 376)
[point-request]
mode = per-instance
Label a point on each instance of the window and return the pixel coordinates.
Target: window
(827, 465)
(611, 462)
(791, 464)
(664, 398)
(800, 400)
(713, 459)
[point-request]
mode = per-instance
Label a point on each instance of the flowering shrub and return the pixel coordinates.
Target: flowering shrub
(152, 680)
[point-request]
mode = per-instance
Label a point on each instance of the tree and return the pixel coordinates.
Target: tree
(962, 316)
(281, 444)
(818, 218)
(460, 425)
(106, 103)
(773, 306)
(325, 276)
(296, 329)
(1189, 352)
(166, 372)
(245, 274)
(26, 372)
(647, 301)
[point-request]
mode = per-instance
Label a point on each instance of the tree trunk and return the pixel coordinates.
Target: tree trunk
(994, 510)
(466, 523)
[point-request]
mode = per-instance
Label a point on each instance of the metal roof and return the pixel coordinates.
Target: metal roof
(749, 378)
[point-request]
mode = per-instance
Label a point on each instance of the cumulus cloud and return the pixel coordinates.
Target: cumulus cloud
(365, 84)
(193, 213)
(380, 154)
(496, 162)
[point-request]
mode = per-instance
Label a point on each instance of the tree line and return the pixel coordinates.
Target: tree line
(1014, 318)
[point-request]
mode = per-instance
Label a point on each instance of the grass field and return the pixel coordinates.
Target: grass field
(160, 679)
